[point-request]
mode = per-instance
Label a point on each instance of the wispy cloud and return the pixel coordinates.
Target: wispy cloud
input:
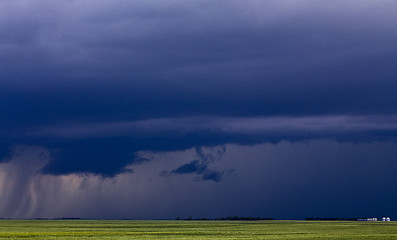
(233, 125)
(200, 166)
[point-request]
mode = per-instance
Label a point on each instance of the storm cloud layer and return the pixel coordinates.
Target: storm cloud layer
(96, 85)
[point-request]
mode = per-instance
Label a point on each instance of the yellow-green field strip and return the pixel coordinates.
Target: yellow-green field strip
(129, 229)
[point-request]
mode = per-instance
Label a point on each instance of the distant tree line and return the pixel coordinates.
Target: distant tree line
(229, 218)
(330, 219)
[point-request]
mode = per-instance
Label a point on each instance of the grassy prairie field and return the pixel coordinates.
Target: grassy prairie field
(126, 229)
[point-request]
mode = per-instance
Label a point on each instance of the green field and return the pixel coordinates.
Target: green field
(125, 229)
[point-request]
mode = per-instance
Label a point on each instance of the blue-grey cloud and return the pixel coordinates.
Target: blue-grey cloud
(87, 88)
(107, 148)
(195, 167)
(97, 82)
(200, 166)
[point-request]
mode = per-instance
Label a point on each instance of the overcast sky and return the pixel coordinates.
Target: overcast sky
(198, 108)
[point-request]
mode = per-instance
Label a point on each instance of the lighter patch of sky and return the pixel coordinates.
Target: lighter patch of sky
(285, 180)
(249, 126)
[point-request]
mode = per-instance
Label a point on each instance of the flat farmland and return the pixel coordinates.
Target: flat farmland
(131, 229)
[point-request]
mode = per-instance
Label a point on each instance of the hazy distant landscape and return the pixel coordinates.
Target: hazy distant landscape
(130, 229)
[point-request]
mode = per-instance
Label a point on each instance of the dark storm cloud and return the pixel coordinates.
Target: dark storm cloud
(96, 82)
(4, 151)
(108, 148)
(199, 169)
(200, 166)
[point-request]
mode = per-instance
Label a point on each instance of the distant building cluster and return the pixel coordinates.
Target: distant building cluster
(368, 219)
(384, 219)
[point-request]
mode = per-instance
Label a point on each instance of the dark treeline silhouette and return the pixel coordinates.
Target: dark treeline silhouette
(331, 219)
(230, 218)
